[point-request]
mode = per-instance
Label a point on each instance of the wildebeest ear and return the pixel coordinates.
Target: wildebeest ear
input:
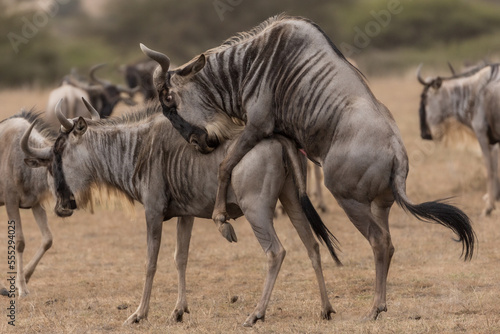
(436, 84)
(36, 163)
(194, 67)
(80, 126)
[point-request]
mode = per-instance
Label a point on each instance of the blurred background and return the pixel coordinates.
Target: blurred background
(42, 40)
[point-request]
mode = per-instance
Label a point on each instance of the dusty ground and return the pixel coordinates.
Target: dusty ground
(97, 261)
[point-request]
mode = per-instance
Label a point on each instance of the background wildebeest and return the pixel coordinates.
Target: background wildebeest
(143, 156)
(473, 99)
(102, 93)
(285, 76)
(22, 187)
(140, 74)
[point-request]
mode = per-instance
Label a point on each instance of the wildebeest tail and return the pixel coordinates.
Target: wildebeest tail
(438, 212)
(322, 232)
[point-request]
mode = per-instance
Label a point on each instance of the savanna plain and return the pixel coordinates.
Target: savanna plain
(91, 279)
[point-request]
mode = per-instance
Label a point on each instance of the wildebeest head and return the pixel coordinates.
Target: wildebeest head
(431, 111)
(104, 94)
(140, 75)
(190, 111)
(66, 151)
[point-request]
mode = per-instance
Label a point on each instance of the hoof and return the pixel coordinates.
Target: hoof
(252, 319)
(4, 292)
(23, 293)
(178, 314)
(133, 319)
(326, 314)
(487, 211)
(228, 232)
(373, 315)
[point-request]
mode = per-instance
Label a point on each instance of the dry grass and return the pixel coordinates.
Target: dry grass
(97, 261)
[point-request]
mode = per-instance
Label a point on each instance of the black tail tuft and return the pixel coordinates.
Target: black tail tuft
(447, 215)
(324, 235)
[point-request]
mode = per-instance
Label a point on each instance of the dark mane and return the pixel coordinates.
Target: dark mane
(246, 35)
(41, 124)
(134, 114)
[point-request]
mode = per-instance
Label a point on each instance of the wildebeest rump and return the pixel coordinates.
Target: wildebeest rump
(145, 158)
(285, 76)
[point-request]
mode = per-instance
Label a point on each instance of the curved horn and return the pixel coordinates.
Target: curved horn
(94, 114)
(159, 57)
(66, 124)
(130, 91)
(85, 86)
(94, 78)
(39, 153)
(419, 77)
(452, 69)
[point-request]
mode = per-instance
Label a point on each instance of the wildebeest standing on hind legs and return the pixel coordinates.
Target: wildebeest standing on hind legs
(143, 156)
(22, 187)
(473, 99)
(285, 76)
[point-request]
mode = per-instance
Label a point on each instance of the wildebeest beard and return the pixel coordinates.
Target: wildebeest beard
(192, 134)
(425, 132)
(65, 198)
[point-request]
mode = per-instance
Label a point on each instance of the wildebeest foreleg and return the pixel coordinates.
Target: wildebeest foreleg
(494, 160)
(292, 207)
(184, 229)
(41, 219)
(154, 224)
(372, 220)
(248, 139)
(491, 165)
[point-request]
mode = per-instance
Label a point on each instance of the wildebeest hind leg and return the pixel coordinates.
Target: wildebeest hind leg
(14, 215)
(372, 221)
(184, 229)
(292, 207)
(41, 219)
(248, 139)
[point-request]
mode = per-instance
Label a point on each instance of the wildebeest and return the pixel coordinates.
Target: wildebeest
(22, 187)
(71, 95)
(285, 76)
(142, 156)
(102, 93)
(140, 74)
(473, 99)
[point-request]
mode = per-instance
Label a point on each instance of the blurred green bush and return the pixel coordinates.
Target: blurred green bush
(425, 30)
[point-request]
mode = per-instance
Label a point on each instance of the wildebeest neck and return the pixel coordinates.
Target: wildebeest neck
(192, 134)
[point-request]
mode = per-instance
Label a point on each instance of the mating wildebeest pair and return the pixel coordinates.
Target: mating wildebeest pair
(285, 76)
(473, 99)
(143, 156)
